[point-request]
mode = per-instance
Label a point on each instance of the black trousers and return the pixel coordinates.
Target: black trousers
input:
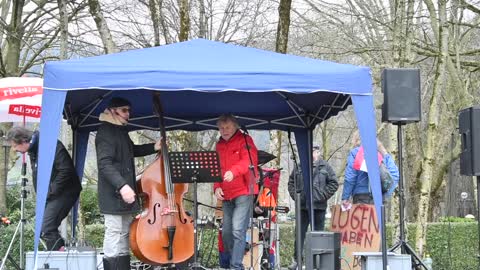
(319, 220)
(363, 198)
(56, 210)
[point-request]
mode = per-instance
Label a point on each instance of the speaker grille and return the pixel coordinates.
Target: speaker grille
(469, 126)
(401, 92)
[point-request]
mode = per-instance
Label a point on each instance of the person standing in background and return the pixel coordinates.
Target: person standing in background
(324, 185)
(356, 184)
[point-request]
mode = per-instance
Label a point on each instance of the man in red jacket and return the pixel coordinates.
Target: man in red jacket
(238, 162)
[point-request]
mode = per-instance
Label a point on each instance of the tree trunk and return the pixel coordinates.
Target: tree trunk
(4, 155)
(283, 26)
(429, 162)
(62, 6)
(202, 25)
(154, 15)
(14, 38)
(274, 142)
(102, 27)
(184, 20)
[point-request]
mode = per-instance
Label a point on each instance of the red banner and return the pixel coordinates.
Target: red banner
(19, 92)
(25, 110)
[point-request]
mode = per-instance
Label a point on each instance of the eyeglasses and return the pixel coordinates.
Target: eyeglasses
(124, 110)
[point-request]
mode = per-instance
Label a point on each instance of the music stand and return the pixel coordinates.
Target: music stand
(195, 167)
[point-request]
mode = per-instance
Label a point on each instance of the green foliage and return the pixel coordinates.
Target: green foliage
(14, 203)
(89, 206)
(287, 243)
(6, 235)
(7, 231)
(209, 254)
(453, 245)
(456, 219)
(94, 235)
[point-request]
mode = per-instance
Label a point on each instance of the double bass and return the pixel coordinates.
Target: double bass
(163, 232)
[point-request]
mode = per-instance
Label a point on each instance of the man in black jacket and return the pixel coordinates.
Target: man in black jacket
(64, 187)
(116, 181)
(324, 185)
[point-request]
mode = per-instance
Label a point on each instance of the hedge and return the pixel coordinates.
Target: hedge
(452, 245)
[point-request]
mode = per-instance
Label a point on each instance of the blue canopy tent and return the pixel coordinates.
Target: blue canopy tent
(198, 80)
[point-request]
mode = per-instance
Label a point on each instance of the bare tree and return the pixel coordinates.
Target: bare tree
(184, 20)
(102, 27)
(155, 16)
(432, 35)
(202, 21)
(283, 26)
(62, 7)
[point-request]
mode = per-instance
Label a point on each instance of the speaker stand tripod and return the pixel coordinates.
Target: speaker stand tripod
(20, 226)
(405, 248)
(194, 167)
(195, 265)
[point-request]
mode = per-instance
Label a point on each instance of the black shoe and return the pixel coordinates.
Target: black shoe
(109, 263)
(124, 262)
(54, 244)
(116, 263)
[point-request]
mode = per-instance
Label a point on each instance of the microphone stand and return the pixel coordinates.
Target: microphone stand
(21, 224)
(252, 171)
(270, 237)
(298, 205)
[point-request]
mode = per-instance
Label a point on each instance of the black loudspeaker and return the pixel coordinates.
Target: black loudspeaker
(401, 95)
(322, 250)
(469, 126)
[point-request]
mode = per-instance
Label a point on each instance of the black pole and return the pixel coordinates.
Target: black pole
(195, 225)
(402, 243)
(22, 213)
(5, 162)
(252, 170)
(384, 239)
(311, 212)
(298, 205)
(478, 218)
(400, 188)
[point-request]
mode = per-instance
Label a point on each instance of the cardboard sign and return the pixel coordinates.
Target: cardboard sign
(360, 231)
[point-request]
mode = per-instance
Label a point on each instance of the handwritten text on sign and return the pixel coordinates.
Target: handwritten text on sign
(359, 228)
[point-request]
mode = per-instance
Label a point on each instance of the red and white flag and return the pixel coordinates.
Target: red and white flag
(20, 99)
(359, 163)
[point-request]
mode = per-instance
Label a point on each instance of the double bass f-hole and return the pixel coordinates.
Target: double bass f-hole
(155, 207)
(165, 211)
(183, 220)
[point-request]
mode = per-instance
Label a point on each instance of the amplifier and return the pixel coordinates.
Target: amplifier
(62, 260)
(374, 260)
(322, 250)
